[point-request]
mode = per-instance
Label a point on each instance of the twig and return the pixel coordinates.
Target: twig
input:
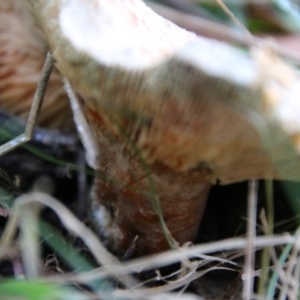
(251, 234)
(34, 110)
(248, 35)
(172, 256)
(83, 127)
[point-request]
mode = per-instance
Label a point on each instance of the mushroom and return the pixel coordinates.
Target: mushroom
(23, 48)
(172, 113)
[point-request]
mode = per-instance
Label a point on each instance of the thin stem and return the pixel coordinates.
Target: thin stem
(251, 234)
(34, 110)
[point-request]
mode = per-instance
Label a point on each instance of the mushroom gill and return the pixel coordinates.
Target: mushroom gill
(23, 48)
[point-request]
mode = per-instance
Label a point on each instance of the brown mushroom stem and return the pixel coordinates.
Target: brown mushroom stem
(129, 193)
(133, 213)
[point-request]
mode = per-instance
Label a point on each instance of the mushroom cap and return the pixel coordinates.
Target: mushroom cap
(23, 49)
(189, 103)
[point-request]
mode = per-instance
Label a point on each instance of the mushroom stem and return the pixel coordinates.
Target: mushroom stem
(133, 214)
(129, 195)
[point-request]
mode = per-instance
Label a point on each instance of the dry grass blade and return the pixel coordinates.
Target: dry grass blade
(289, 286)
(35, 108)
(82, 126)
(248, 275)
(168, 257)
(267, 227)
(29, 241)
(248, 35)
(107, 260)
